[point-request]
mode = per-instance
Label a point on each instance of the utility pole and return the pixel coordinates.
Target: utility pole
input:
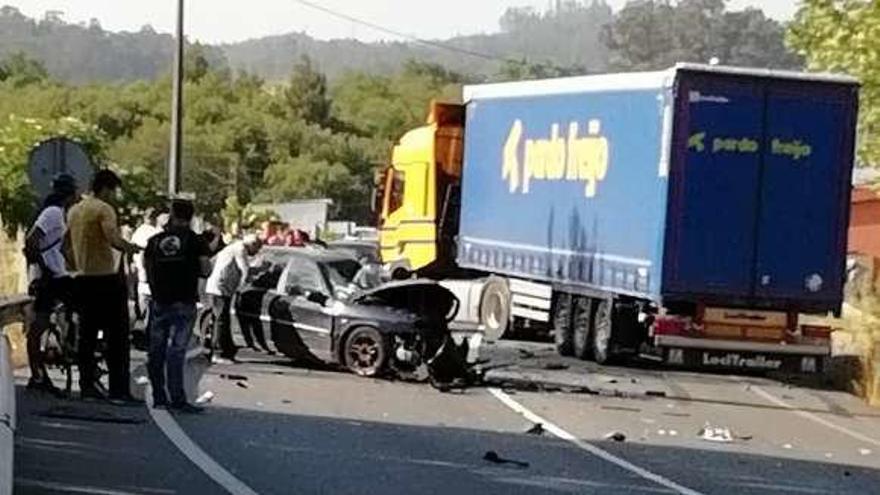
(174, 165)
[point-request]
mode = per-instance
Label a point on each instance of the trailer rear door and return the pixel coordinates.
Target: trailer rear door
(759, 190)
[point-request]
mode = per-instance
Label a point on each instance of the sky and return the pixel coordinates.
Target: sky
(215, 21)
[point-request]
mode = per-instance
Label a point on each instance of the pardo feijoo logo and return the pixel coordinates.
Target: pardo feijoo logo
(557, 157)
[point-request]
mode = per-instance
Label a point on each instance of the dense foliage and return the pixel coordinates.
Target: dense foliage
(571, 35)
(844, 36)
(245, 140)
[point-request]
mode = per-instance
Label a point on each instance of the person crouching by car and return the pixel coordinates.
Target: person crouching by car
(230, 272)
(174, 260)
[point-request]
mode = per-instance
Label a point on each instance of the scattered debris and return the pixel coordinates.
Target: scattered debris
(141, 380)
(537, 429)
(864, 451)
(847, 473)
(555, 366)
(205, 398)
(787, 446)
(242, 384)
(676, 415)
(493, 457)
(611, 380)
(657, 393)
(526, 354)
(828, 455)
(634, 380)
(616, 436)
(673, 433)
(286, 401)
(743, 437)
(661, 432)
(620, 408)
(720, 435)
(235, 378)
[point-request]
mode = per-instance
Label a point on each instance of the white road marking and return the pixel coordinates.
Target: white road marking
(195, 454)
(813, 417)
(592, 449)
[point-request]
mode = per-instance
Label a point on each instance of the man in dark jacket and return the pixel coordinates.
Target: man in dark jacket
(175, 259)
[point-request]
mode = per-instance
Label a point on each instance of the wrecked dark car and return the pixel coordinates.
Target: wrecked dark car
(307, 302)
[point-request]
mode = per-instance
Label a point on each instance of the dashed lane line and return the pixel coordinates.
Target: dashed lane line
(814, 417)
(518, 408)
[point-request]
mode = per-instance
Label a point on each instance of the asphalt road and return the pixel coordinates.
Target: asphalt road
(276, 429)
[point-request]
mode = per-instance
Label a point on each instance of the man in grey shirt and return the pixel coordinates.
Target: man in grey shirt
(228, 275)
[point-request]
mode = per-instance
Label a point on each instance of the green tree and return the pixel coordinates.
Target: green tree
(20, 70)
(306, 94)
(844, 36)
(656, 34)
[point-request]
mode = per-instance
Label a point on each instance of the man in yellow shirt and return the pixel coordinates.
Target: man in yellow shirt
(94, 234)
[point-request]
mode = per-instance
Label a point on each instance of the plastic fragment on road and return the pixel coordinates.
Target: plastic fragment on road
(719, 435)
(787, 446)
(864, 451)
(555, 366)
(205, 398)
(493, 457)
(673, 433)
(236, 378)
(615, 436)
(537, 429)
(243, 384)
(661, 432)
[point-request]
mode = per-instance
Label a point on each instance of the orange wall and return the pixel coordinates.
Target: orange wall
(864, 223)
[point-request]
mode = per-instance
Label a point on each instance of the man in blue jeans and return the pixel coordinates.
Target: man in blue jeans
(174, 260)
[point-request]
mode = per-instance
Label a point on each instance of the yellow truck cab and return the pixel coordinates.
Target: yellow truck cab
(417, 216)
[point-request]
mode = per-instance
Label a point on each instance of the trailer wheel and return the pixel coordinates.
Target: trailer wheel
(495, 308)
(562, 332)
(583, 323)
(600, 337)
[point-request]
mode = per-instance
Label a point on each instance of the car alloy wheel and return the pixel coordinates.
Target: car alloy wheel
(366, 352)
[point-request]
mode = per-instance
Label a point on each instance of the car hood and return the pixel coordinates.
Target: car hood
(425, 298)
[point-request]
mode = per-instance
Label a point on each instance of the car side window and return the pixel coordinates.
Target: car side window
(304, 274)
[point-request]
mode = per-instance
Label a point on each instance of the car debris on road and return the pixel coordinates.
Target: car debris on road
(616, 436)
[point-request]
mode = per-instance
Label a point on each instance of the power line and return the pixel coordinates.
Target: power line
(416, 39)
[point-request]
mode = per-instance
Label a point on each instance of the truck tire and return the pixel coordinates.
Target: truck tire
(600, 336)
(495, 309)
(562, 331)
(582, 312)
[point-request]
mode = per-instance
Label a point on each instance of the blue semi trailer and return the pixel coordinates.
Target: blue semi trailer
(690, 215)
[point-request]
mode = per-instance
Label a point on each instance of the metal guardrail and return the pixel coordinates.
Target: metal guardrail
(12, 310)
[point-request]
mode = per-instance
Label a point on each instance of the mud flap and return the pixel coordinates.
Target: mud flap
(449, 368)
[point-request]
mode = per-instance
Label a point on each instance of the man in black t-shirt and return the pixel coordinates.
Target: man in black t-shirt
(175, 259)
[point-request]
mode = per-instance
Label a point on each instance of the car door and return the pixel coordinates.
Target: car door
(305, 287)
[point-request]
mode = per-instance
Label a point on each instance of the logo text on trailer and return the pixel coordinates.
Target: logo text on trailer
(556, 157)
(735, 360)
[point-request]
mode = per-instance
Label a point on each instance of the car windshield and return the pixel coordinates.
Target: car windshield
(341, 273)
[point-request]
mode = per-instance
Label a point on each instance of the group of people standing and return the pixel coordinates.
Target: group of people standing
(76, 256)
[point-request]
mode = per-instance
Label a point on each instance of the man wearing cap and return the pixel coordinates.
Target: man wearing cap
(94, 234)
(50, 281)
(230, 272)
